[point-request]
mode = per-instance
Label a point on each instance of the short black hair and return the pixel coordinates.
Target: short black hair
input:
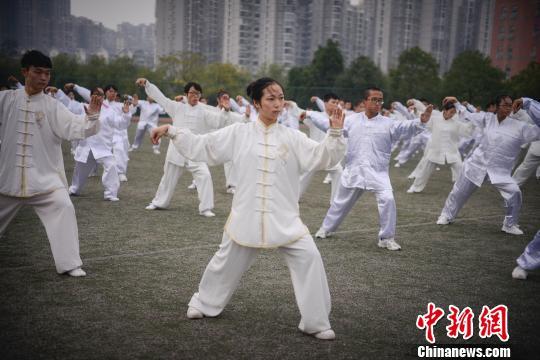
(222, 92)
(35, 58)
(448, 105)
(499, 98)
(330, 96)
(369, 90)
(191, 84)
(255, 89)
(110, 86)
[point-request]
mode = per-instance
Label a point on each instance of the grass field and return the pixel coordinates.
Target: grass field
(143, 266)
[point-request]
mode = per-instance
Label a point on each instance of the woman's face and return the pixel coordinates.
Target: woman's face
(272, 102)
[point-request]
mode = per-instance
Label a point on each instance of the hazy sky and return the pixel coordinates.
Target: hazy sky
(114, 12)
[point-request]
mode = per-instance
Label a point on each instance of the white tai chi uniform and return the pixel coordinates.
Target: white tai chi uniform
(493, 159)
(200, 119)
(530, 259)
(318, 135)
(32, 168)
(97, 149)
(148, 120)
(531, 163)
(265, 211)
(366, 168)
(442, 148)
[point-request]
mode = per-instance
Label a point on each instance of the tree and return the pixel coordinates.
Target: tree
(472, 77)
(327, 64)
(298, 88)
(179, 69)
(274, 71)
(526, 83)
(415, 76)
(361, 74)
(228, 77)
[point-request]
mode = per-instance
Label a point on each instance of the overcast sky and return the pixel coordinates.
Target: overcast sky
(114, 12)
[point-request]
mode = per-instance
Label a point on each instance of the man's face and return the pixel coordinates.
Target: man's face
(36, 77)
(71, 95)
(224, 100)
(331, 105)
(111, 94)
(505, 107)
(193, 96)
(374, 101)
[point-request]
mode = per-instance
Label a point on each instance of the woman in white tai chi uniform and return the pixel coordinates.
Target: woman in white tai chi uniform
(265, 212)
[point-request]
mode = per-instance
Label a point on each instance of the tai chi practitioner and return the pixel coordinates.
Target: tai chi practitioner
(148, 120)
(531, 163)
(493, 159)
(370, 136)
(310, 119)
(417, 142)
(98, 149)
(32, 128)
(264, 212)
(200, 119)
(446, 131)
(529, 260)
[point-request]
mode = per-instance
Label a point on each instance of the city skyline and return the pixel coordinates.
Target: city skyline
(135, 12)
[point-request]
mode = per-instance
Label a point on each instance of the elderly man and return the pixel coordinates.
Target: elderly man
(32, 128)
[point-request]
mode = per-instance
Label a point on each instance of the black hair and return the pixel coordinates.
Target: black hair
(191, 84)
(501, 97)
(35, 58)
(255, 89)
(96, 90)
(222, 92)
(448, 105)
(110, 86)
(369, 90)
(358, 103)
(491, 103)
(330, 96)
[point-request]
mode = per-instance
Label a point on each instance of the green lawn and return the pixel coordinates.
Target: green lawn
(143, 266)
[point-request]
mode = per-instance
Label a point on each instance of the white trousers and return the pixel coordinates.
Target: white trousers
(120, 152)
(425, 170)
(109, 179)
(529, 166)
(335, 175)
(230, 174)
(463, 189)
(417, 143)
(139, 135)
(530, 259)
(57, 214)
(346, 198)
(201, 177)
(223, 273)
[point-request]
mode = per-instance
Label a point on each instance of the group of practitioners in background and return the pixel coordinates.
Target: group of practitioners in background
(269, 164)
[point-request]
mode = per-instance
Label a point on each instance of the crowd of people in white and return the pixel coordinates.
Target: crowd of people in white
(269, 163)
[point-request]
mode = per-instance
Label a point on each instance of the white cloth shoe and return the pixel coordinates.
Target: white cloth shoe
(231, 190)
(122, 177)
(192, 186)
(321, 234)
(397, 165)
(78, 272)
(131, 148)
(207, 213)
(412, 191)
(513, 230)
(327, 179)
(325, 335)
(389, 244)
(112, 198)
(156, 151)
(443, 220)
(193, 313)
(151, 207)
(519, 273)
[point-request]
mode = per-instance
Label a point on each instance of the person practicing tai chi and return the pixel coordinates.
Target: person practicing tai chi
(493, 159)
(265, 211)
(370, 138)
(33, 126)
(148, 120)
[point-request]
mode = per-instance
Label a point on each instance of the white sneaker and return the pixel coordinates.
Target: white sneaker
(193, 313)
(192, 186)
(519, 273)
(131, 148)
(321, 234)
(157, 152)
(397, 165)
(327, 180)
(231, 190)
(122, 177)
(437, 169)
(112, 198)
(389, 244)
(78, 272)
(514, 230)
(325, 335)
(207, 213)
(443, 220)
(151, 207)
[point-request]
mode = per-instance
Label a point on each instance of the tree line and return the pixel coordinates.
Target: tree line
(471, 76)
